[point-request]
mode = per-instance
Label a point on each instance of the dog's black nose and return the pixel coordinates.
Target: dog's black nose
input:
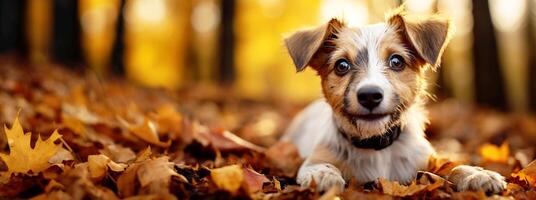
(370, 96)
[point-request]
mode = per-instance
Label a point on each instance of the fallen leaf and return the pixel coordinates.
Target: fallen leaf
(60, 156)
(493, 153)
(22, 158)
(98, 166)
(168, 119)
(156, 170)
(118, 153)
(152, 174)
(228, 178)
(284, 156)
(224, 140)
(527, 174)
(147, 132)
(394, 188)
(441, 166)
(253, 180)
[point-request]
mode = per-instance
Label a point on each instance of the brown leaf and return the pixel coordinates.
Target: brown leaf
(98, 166)
(284, 156)
(253, 180)
(157, 170)
(152, 174)
(118, 153)
(225, 141)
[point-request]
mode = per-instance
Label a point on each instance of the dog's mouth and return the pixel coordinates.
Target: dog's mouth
(370, 117)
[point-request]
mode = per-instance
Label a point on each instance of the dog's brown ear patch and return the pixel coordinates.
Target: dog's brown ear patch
(429, 36)
(310, 47)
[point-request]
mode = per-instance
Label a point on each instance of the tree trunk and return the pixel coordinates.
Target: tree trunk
(66, 46)
(226, 53)
(489, 87)
(12, 20)
(531, 52)
(119, 43)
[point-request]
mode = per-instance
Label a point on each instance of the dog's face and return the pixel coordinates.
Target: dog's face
(371, 74)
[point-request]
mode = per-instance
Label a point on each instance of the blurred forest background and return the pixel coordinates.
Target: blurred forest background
(237, 44)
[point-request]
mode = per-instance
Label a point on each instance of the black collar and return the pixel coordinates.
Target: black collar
(378, 142)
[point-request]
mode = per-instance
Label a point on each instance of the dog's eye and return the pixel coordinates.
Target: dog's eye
(342, 67)
(396, 62)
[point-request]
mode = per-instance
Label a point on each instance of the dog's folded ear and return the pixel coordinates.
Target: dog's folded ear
(428, 35)
(310, 47)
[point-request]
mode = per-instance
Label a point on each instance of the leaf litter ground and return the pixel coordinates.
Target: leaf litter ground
(73, 135)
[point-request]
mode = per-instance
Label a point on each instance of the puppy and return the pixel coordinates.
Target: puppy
(371, 122)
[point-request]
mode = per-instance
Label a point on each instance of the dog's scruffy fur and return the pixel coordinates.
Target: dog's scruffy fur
(322, 131)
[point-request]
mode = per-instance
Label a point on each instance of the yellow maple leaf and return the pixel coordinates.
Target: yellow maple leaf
(22, 158)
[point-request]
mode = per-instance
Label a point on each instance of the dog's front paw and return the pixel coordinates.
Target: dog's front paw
(466, 177)
(325, 176)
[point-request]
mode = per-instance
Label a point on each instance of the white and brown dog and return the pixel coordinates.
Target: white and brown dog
(371, 122)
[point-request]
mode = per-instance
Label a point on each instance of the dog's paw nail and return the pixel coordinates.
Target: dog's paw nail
(475, 178)
(324, 176)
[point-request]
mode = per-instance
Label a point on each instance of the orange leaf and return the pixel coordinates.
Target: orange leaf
(394, 188)
(527, 174)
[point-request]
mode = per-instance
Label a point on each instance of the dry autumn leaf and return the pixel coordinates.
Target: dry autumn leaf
(147, 131)
(98, 166)
(396, 189)
(253, 180)
(152, 174)
(527, 174)
(22, 158)
(285, 157)
(228, 178)
(441, 166)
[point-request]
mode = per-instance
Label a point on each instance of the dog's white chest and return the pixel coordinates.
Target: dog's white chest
(399, 162)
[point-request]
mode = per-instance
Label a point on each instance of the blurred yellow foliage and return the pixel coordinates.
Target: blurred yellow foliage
(493, 153)
(263, 67)
(98, 19)
(155, 38)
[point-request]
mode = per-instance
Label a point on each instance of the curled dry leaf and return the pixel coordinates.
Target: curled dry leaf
(22, 158)
(98, 165)
(527, 174)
